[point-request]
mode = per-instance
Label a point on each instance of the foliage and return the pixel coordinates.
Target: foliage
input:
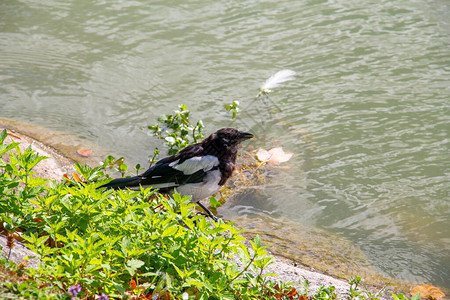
(119, 242)
(177, 130)
(403, 297)
(233, 108)
(15, 282)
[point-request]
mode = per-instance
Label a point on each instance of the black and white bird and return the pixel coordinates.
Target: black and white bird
(199, 170)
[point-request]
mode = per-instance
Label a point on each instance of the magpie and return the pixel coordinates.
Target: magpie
(199, 170)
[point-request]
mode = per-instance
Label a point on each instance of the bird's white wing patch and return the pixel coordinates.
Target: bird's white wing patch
(196, 163)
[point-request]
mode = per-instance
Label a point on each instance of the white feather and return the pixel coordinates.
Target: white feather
(277, 78)
(196, 163)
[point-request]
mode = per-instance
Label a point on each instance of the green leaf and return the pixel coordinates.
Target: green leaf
(257, 241)
(171, 140)
(3, 135)
(133, 265)
(416, 297)
(5, 148)
(170, 231)
(195, 282)
(213, 202)
(125, 245)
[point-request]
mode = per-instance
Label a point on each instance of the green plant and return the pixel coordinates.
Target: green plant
(326, 292)
(15, 283)
(233, 108)
(177, 130)
(18, 185)
(104, 240)
(403, 297)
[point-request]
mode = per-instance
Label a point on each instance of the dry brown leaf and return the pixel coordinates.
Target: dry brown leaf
(84, 152)
(273, 156)
(429, 291)
(292, 293)
(76, 177)
(14, 135)
(133, 284)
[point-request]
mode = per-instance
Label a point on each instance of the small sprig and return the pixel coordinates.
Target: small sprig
(233, 108)
(176, 129)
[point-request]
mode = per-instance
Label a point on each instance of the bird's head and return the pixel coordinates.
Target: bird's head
(231, 136)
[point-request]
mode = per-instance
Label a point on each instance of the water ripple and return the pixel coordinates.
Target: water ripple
(367, 116)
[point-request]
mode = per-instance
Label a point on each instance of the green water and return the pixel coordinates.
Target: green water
(367, 116)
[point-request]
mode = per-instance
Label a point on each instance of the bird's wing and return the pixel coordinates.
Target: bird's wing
(195, 164)
(188, 166)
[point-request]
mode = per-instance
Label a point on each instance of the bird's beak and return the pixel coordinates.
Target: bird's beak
(245, 136)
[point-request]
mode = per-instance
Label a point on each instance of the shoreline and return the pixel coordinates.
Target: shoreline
(287, 269)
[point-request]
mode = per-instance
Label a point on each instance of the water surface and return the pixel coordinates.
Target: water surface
(367, 116)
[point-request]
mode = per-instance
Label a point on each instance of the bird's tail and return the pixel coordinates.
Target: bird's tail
(121, 183)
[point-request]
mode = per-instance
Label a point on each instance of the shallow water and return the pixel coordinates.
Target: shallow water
(367, 116)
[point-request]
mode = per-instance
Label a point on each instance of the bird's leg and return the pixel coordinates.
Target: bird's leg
(208, 212)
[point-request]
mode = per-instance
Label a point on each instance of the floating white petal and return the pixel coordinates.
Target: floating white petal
(273, 156)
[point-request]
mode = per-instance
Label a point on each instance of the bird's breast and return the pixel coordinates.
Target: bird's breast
(208, 187)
